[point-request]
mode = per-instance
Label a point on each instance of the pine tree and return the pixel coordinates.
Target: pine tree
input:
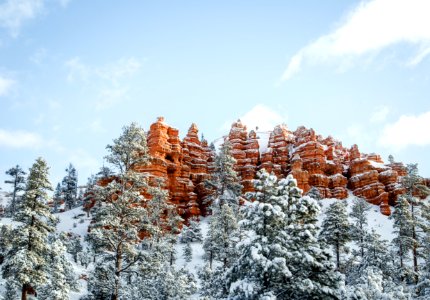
(120, 217)
(314, 193)
(371, 285)
(188, 252)
(70, 187)
(5, 240)
(335, 229)
(223, 235)
(403, 241)
(358, 216)
(280, 255)
(58, 197)
(62, 280)
(224, 181)
(192, 232)
(84, 258)
(18, 185)
(10, 292)
(423, 286)
(413, 184)
(26, 260)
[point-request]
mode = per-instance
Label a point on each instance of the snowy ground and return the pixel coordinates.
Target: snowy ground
(76, 221)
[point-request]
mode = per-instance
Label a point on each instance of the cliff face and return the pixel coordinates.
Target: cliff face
(313, 160)
(183, 165)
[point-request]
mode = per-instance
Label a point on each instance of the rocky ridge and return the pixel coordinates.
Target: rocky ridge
(315, 161)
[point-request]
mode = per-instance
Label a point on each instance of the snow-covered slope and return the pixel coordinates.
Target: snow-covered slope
(75, 221)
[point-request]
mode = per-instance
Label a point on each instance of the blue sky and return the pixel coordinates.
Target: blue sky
(72, 73)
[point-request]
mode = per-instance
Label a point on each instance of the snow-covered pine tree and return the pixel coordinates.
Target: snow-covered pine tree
(224, 181)
(58, 197)
(280, 256)
(26, 261)
(88, 196)
(84, 258)
(413, 184)
(120, 217)
(403, 241)
(314, 193)
(359, 224)
(192, 232)
(17, 181)
(371, 285)
(5, 240)
(423, 286)
(335, 229)
(74, 246)
(10, 290)
(62, 278)
(70, 187)
(188, 252)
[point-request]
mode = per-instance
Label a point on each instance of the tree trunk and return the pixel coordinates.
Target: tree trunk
(338, 255)
(414, 248)
(118, 264)
(24, 292)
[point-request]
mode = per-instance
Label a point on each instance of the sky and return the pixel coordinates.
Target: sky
(74, 72)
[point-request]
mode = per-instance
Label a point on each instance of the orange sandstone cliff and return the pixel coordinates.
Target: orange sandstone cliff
(314, 161)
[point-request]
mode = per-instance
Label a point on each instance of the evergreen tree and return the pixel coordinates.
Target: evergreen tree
(62, 280)
(423, 286)
(314, 193)
(88, 196)
(280, 256)
(26, 260)
(391, 159)
(58, 197)
(371, 285)
(120, 217)
(188, 252)
(84, 258)
(358, 216)
(335, 228)
(5, 240)
(222, 236)
(18, 185)
(413, 184)
(70, 187)
(403, 241)
(224, 181)
(192, 232)
(10, 292)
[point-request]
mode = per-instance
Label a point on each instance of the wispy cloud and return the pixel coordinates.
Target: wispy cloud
(5, 85)
(260, 116)
(13, 13)
(369, 28)
(110, 79)
(380, 114)
(20, 139)
(408, 130)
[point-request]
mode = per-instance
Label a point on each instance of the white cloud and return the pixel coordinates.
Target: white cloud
(110, 80)
(82, 160)
(380, 114)
(5, 85)
(408, 130)
(19, 139)
(369, 28)
(13, 13)
(259, 116)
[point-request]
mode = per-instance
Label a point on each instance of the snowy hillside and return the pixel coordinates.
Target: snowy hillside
(75, 221)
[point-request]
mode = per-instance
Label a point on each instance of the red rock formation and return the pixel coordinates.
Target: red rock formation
(314, 161)
(245, 149)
